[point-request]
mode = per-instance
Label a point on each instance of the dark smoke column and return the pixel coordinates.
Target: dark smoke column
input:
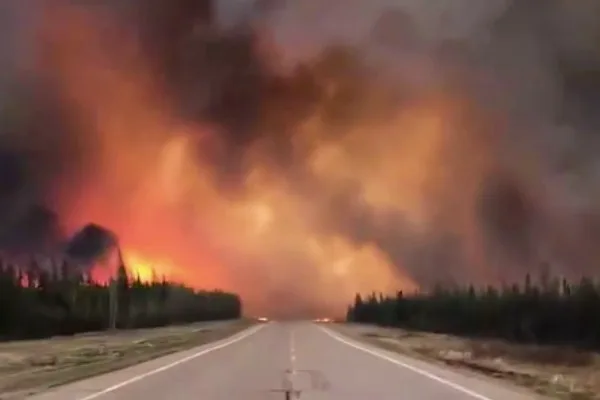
(169, 25)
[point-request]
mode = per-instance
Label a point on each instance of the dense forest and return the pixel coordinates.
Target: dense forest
(40, 302)
(549, 312)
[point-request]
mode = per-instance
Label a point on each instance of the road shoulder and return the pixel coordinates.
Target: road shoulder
(37, 366)
(475, 384)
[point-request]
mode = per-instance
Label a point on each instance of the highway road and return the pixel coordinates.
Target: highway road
(258, 363)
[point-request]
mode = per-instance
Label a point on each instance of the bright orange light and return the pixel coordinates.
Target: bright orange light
(142, 269)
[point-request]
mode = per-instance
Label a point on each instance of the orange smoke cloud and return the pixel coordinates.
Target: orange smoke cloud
(298, 175)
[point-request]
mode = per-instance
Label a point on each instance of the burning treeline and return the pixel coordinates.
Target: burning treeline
(282, 157)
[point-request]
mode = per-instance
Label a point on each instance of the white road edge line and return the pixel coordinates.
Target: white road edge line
(244, 334)
(412, 368)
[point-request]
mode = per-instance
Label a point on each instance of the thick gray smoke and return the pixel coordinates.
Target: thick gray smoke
(533, 68)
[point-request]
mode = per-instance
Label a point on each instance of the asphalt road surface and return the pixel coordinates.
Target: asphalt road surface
(259, 363)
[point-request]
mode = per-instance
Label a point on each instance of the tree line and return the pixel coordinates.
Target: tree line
(552, 311)
(38, 302)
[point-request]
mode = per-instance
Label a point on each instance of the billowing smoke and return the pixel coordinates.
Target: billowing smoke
(300, 151)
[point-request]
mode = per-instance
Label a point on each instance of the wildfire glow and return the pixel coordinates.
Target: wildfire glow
(144, 270)
(146, 181)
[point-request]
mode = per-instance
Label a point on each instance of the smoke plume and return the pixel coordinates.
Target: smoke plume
(300, 151)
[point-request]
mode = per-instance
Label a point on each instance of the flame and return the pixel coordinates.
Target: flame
(143, 269)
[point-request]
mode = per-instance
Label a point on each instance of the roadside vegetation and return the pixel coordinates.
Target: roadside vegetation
(549, 312)
(41, 302)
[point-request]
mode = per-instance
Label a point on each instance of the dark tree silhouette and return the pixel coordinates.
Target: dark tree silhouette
(36, 302)
(549, 312)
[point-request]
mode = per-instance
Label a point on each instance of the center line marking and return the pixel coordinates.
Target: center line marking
(292, 353)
